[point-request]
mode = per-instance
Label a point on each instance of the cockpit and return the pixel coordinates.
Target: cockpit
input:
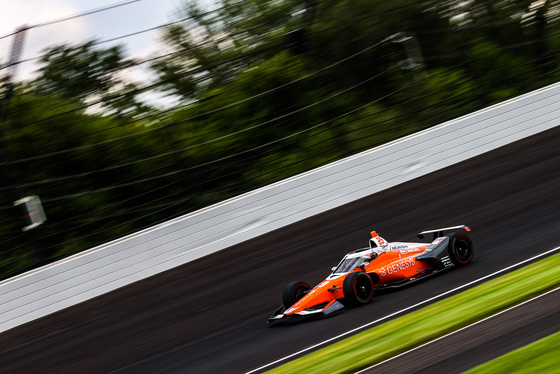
(354, 260)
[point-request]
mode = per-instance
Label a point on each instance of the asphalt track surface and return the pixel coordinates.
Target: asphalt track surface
(209, 316)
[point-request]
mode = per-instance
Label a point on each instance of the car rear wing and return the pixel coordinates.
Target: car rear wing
(440, 232)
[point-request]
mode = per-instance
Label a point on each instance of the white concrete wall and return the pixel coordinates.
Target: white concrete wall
(162, 247)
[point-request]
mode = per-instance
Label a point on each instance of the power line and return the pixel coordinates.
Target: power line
(406, 114)
(157, 84)
(191, 72)
(206, 99)
(327, 150)
(143, 31)
(196, 71)
(140, 181)
(292, 138)
(317, 154)
(87, 13)
(148, 131)
(220, 138)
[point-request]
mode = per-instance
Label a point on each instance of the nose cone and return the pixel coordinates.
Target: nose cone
(318, 297)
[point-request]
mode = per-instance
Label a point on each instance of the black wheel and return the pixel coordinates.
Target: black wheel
(460, 248)
(293, 292)
(357, 288)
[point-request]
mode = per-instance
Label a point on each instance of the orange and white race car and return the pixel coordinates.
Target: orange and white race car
(382, 265)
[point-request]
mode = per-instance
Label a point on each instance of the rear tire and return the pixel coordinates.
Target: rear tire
(460, 249)
(293, 292)
(357, 288)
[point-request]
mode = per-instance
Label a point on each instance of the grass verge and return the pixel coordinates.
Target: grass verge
(538, 357)
(406, 332)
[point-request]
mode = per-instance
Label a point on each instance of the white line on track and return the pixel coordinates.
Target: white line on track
(400, 311)
(456, 331)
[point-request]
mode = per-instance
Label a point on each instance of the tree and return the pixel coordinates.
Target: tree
(214, 48)
(84, 73)
(269, 90)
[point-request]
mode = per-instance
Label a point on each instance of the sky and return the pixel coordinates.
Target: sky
(132, 16)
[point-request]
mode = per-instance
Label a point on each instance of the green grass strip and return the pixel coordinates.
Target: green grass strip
(416, 328)
(540, 357)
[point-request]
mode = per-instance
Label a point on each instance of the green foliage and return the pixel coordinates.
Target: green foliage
(266, 89)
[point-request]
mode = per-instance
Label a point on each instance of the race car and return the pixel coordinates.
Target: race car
(381, 265)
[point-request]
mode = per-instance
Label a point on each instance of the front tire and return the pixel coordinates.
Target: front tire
(357, 288)
(293, 292)
(460, 249)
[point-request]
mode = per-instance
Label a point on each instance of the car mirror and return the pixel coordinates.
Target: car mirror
(365, 263)
(333, 269)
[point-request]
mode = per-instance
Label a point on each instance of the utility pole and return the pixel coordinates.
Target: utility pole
(17, 48)
(11, 67)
